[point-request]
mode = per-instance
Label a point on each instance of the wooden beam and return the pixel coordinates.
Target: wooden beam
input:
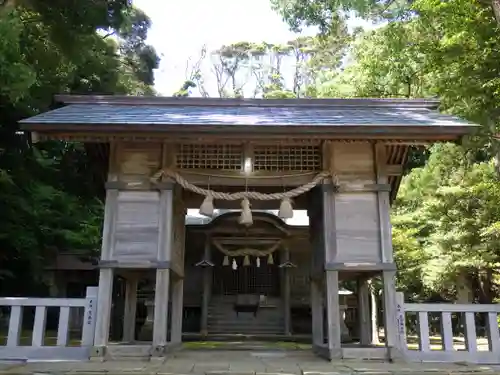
(165, 244)
(129, 315)
(334, 329)
(418, 137)
(177, 311)
(393, 170)
(317, 313)
(364, 316)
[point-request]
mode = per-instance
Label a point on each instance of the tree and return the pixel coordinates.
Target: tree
(449, 212)
(247, 69)
(51, 193)
(323, 13)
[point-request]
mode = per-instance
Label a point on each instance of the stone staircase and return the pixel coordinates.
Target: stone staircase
(222, 319)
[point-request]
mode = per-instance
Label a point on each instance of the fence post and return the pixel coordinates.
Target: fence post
(400, 311)
(89, 317)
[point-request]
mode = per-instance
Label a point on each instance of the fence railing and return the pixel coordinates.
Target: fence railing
(14, 348)
(448, 349)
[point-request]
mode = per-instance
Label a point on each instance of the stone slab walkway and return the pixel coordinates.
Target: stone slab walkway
(243, 363)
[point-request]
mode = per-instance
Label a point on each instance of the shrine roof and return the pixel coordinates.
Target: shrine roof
(186, 114)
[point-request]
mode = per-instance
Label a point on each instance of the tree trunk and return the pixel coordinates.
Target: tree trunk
(465, 294)
(484, 279)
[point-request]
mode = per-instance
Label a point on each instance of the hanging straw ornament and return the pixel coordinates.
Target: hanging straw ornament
(207, 206)
(286, 209)
(270, 259)
(225, 262)
(246, 213)
(257, 262)
(235, 265)
(246, 260)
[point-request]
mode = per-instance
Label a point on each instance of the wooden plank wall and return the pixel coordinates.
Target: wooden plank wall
(136, 233)
(357, 227)
(136, 226)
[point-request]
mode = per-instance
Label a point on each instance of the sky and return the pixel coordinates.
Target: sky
(181, 27)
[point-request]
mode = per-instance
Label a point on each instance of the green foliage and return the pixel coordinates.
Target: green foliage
(15, 75)
(322, 13)
(445, 219)
(51, 193)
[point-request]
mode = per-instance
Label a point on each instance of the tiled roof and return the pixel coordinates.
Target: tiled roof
(239, 115)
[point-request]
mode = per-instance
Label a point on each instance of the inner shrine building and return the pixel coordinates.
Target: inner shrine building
(250, 166)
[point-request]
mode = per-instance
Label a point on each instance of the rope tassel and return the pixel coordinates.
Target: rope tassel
(207, 207)
(286, 209)
(235, 265)
(270, 259)
(246, 213)
(246, 260)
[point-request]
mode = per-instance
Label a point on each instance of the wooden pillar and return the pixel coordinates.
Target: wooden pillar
(317, 313)
(334, 330)
(328, 232)
(160, 320)
(103, 318)
(163, 274)
(129, 314)
(364, 316)
(179, 225)
(104, 295)
(286, 292)
(392, 341)
(207, 288)
(390, 305)
(177, 311)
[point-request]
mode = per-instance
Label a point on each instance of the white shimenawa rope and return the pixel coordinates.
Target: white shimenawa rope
(243, 194)
(207, 207)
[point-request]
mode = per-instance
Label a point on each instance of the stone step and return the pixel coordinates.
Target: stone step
(245, 323)
(219, 324)
(246, 317)
(236, 328)
(220, 331)
(242, 330)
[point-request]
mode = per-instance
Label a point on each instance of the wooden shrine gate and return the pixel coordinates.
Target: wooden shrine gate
(340, 159)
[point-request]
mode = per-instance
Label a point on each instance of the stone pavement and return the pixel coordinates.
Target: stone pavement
(243, 363)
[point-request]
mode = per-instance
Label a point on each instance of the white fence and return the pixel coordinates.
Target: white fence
(37, 350)
(451, 351)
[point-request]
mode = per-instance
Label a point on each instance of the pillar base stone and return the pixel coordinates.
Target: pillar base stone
(158, 351)
(97, 353)
(324, 352)
(395, 355)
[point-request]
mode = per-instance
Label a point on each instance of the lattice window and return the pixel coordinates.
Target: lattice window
(287, 158)
(211, 156)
